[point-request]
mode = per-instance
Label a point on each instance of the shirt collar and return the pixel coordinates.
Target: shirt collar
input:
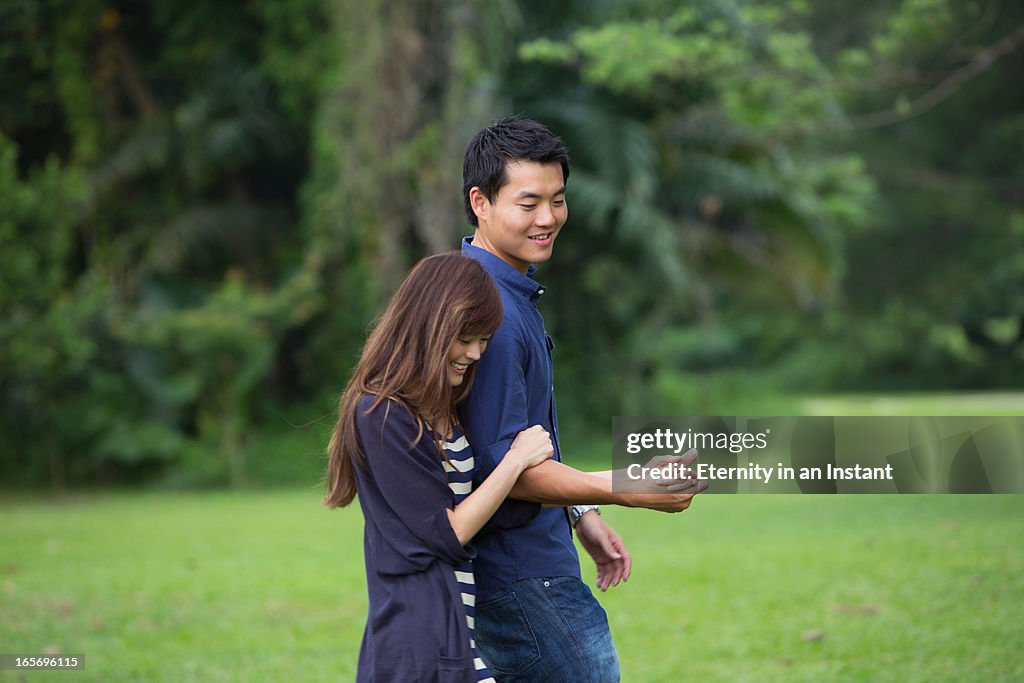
(503, 273)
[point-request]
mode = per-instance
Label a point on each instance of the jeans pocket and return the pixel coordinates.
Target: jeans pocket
(504, 636)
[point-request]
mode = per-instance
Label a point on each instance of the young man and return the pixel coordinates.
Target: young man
(536, 620)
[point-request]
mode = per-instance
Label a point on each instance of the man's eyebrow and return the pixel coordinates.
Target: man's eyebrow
(527, 194)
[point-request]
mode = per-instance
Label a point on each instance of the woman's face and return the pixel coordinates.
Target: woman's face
(465, 350)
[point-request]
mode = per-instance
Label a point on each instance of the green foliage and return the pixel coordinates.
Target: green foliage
(915, 23)
(150, 267)
(779, 215)
(45, 344)
(934, 290)
(698, 161)
(214, 357)
(204, 206)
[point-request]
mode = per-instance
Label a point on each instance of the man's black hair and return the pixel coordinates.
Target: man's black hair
(507, 140)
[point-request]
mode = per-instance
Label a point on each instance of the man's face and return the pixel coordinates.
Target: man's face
(521, 224)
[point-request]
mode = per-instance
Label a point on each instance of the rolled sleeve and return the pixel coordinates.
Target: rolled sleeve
(493, 418)
(495, 415)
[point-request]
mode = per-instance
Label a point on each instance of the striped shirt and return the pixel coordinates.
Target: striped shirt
(459, 469)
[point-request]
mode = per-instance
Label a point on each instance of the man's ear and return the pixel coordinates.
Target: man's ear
(478, 202)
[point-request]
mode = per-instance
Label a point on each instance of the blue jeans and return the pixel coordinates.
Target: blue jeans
(548, 630)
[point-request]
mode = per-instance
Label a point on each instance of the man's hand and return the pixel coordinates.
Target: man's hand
(670, 492)
(679, 478)
(663, 502)
(606, 547)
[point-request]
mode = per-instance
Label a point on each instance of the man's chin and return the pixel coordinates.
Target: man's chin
(541, 254)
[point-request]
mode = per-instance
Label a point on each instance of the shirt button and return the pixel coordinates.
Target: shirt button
(540, 291)
(547, 583)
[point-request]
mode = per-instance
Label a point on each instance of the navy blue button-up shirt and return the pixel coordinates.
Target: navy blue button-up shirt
(514, 389)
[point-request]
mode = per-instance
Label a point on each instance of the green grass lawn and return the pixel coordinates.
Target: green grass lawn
(269, 587)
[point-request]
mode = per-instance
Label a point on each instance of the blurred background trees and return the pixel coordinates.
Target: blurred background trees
(202, 207)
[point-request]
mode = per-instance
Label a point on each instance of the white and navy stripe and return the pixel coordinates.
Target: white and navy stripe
(459, 468)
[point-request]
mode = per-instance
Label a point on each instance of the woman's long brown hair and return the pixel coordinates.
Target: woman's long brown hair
(405, 358)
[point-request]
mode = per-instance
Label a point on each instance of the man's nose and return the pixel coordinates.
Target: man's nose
(545, 216)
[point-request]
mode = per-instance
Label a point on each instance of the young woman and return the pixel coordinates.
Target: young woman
(399, 444)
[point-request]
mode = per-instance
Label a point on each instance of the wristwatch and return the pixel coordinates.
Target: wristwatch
(577, 511)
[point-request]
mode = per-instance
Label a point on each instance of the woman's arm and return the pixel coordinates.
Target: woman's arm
(531, 447)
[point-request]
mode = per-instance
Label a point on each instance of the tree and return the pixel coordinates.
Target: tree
(152, 154)
(698, 164)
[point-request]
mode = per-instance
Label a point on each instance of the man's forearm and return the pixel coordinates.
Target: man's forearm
(552, 483)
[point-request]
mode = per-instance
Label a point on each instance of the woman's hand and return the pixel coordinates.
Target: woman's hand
(532, 446)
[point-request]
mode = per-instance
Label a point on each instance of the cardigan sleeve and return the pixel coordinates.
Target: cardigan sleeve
(405, 490)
